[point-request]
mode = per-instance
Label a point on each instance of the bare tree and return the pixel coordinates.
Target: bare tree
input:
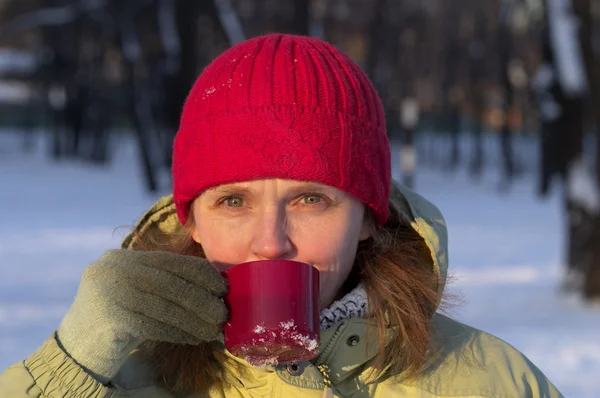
(591, 58)
(560, 83)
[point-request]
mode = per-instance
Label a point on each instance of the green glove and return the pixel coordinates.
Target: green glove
(128, 297)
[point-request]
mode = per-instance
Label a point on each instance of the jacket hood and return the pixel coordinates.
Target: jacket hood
(411, 208)
(427, 220)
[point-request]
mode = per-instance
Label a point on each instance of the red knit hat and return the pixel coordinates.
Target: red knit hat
(283, 106)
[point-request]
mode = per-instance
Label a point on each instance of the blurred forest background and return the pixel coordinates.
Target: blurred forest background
(467, 84)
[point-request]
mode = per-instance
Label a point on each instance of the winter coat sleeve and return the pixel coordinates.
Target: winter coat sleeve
(51, 373)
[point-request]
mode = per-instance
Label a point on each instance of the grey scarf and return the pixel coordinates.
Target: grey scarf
(352, 305)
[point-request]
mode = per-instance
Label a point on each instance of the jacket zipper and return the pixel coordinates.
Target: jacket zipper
(328, 391)
(323, 368)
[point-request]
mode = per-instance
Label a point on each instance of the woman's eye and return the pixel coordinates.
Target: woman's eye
(234, 201)
(311, 199)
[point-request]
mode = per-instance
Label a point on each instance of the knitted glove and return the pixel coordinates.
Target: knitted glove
(128, 297)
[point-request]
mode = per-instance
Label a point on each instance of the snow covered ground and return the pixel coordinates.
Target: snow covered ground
(505, 253)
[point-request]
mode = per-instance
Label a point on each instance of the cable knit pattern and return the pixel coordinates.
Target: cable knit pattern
(283, 106)
(352, 305)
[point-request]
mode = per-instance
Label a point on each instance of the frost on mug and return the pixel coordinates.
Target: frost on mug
(273, 312)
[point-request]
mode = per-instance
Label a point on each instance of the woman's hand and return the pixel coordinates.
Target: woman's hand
(128, 297)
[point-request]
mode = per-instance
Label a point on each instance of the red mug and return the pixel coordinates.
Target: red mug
(273, 312)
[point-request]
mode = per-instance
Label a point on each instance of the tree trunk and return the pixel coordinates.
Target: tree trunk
(477, 52)
(301, 17)
(591, 287)
(454, 125)
(582, 8)
(566, 130)
(408, 154)
(143, 125)
(506, 148)
(375, 38)
(476, 166)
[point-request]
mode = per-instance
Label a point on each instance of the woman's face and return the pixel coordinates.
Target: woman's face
(282, 219)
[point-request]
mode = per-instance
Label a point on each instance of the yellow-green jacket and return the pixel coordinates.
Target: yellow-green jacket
(471, 363)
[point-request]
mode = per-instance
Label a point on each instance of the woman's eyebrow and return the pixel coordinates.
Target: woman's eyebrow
(308, 188)
(228, 189)
(294, 190)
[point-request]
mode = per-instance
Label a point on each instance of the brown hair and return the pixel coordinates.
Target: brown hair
(396, 268)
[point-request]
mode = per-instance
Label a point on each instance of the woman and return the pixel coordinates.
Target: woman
(282, 154)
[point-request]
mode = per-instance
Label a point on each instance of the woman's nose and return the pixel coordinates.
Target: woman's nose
(271, 239)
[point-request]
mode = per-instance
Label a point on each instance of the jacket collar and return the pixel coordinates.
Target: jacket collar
(346, 349)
